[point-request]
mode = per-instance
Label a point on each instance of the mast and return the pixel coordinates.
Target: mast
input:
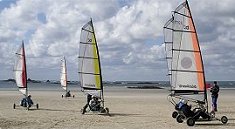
(24, 77)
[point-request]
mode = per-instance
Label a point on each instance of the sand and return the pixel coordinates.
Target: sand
(129, 109)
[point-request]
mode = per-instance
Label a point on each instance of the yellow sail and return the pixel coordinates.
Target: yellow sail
(89, 61)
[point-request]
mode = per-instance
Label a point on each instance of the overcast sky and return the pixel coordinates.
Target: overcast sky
(129, 35)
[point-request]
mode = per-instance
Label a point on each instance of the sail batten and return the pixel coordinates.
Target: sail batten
(183, 54)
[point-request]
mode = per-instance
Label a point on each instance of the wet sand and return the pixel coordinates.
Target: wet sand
(129, 109)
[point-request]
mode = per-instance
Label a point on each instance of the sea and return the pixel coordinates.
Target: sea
(75, 85)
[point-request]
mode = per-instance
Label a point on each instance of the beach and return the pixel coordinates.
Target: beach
(129, 109)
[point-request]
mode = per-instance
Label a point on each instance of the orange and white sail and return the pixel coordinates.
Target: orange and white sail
(89, 62)
(63, 74)
(20, 72)
(187, 72)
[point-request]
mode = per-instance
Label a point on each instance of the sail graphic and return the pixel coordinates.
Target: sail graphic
(20, 70)
(63, 74)
(187, 72)
(89, 62)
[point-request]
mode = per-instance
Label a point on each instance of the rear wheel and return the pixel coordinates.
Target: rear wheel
(106, 110)
(62, 96)
(190, 121)
(224, 119)
(73, 96)
(174, 114)
(180, 118)
(14, 106)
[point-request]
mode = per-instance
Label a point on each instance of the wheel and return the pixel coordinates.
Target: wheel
(190, 121)
(212, 114)
(102, 110)
(37, 106)
(73, 96)
(62, 96)
(180, 118)
(174, 114)
(224, 119)
(106, 110)
(14, 106)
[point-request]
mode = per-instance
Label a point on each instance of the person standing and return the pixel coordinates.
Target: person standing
(214, 95)
(89, 97)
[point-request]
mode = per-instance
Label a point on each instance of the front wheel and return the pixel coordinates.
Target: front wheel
(190, 121)
(14, 106)
(224, 119)
(180, 118)
(106, 110)
(174, 114)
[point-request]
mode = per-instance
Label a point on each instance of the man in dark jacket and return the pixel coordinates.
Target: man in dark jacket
(89, 97)
(29, 101)
(214, 95)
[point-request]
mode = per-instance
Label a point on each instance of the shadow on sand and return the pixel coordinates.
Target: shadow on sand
(114, 114)
(215, 124)
(55, 110)
(230, 123)
(124, 114)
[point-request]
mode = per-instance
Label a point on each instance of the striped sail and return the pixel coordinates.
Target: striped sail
(63, 74)
(89, 62)
(187, 71)
(20, 70)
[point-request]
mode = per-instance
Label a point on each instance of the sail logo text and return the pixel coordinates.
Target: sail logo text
(187, 86)
(185, 27)
(90, 85)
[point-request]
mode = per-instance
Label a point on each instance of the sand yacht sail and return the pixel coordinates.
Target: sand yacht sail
(89, 63)
(20, 74)
(63, 79)
(20, 71)
(185, 66)
(63, 74)
(184, 56)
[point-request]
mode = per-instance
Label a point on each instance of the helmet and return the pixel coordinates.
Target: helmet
(184, 101)
(29, 95)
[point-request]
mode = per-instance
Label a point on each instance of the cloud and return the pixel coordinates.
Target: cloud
(129, 35)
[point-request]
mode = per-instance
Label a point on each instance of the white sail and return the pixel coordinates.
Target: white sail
(63, 74)
(20, 70)
(89, 62)
(168, 40)
(187, 71)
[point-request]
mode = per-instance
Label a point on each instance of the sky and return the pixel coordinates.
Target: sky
(129, 35)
